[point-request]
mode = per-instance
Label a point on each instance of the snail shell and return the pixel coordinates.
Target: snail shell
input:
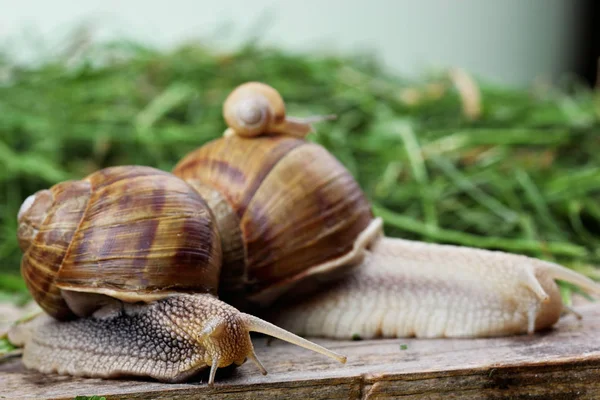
(132, 233)
(299, 211)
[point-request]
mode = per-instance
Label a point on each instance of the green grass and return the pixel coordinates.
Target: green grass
(522, 176)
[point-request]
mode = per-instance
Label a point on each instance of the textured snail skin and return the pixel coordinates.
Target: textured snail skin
(160, 340)
(412, 289)
(170, 340)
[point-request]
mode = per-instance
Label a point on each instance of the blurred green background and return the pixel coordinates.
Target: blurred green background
(445, 155)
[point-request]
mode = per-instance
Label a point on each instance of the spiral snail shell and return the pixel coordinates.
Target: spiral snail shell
(127, 232)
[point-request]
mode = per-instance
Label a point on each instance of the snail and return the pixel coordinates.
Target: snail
(254, 108)
(293, 239)
(126, 265)
(353, 280)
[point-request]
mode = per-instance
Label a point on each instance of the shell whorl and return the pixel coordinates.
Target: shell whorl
(252, 115)
(31, 215)
(26, 206)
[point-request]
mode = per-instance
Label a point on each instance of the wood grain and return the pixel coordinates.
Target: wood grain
(561, 364)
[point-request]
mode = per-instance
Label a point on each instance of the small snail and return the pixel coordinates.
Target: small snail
(254, 108)
(291, 236)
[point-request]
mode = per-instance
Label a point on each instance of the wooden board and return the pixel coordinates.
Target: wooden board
(561, 364)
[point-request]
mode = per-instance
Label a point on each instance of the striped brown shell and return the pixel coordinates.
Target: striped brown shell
(132, 233)
(297, 207)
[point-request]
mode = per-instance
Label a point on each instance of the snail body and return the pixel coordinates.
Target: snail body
(411, 289)
(257, 221)
(171, 340)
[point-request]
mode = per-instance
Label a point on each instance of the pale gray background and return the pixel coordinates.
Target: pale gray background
(509, 41)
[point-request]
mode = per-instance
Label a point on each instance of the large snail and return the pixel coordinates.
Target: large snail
(140, 270)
